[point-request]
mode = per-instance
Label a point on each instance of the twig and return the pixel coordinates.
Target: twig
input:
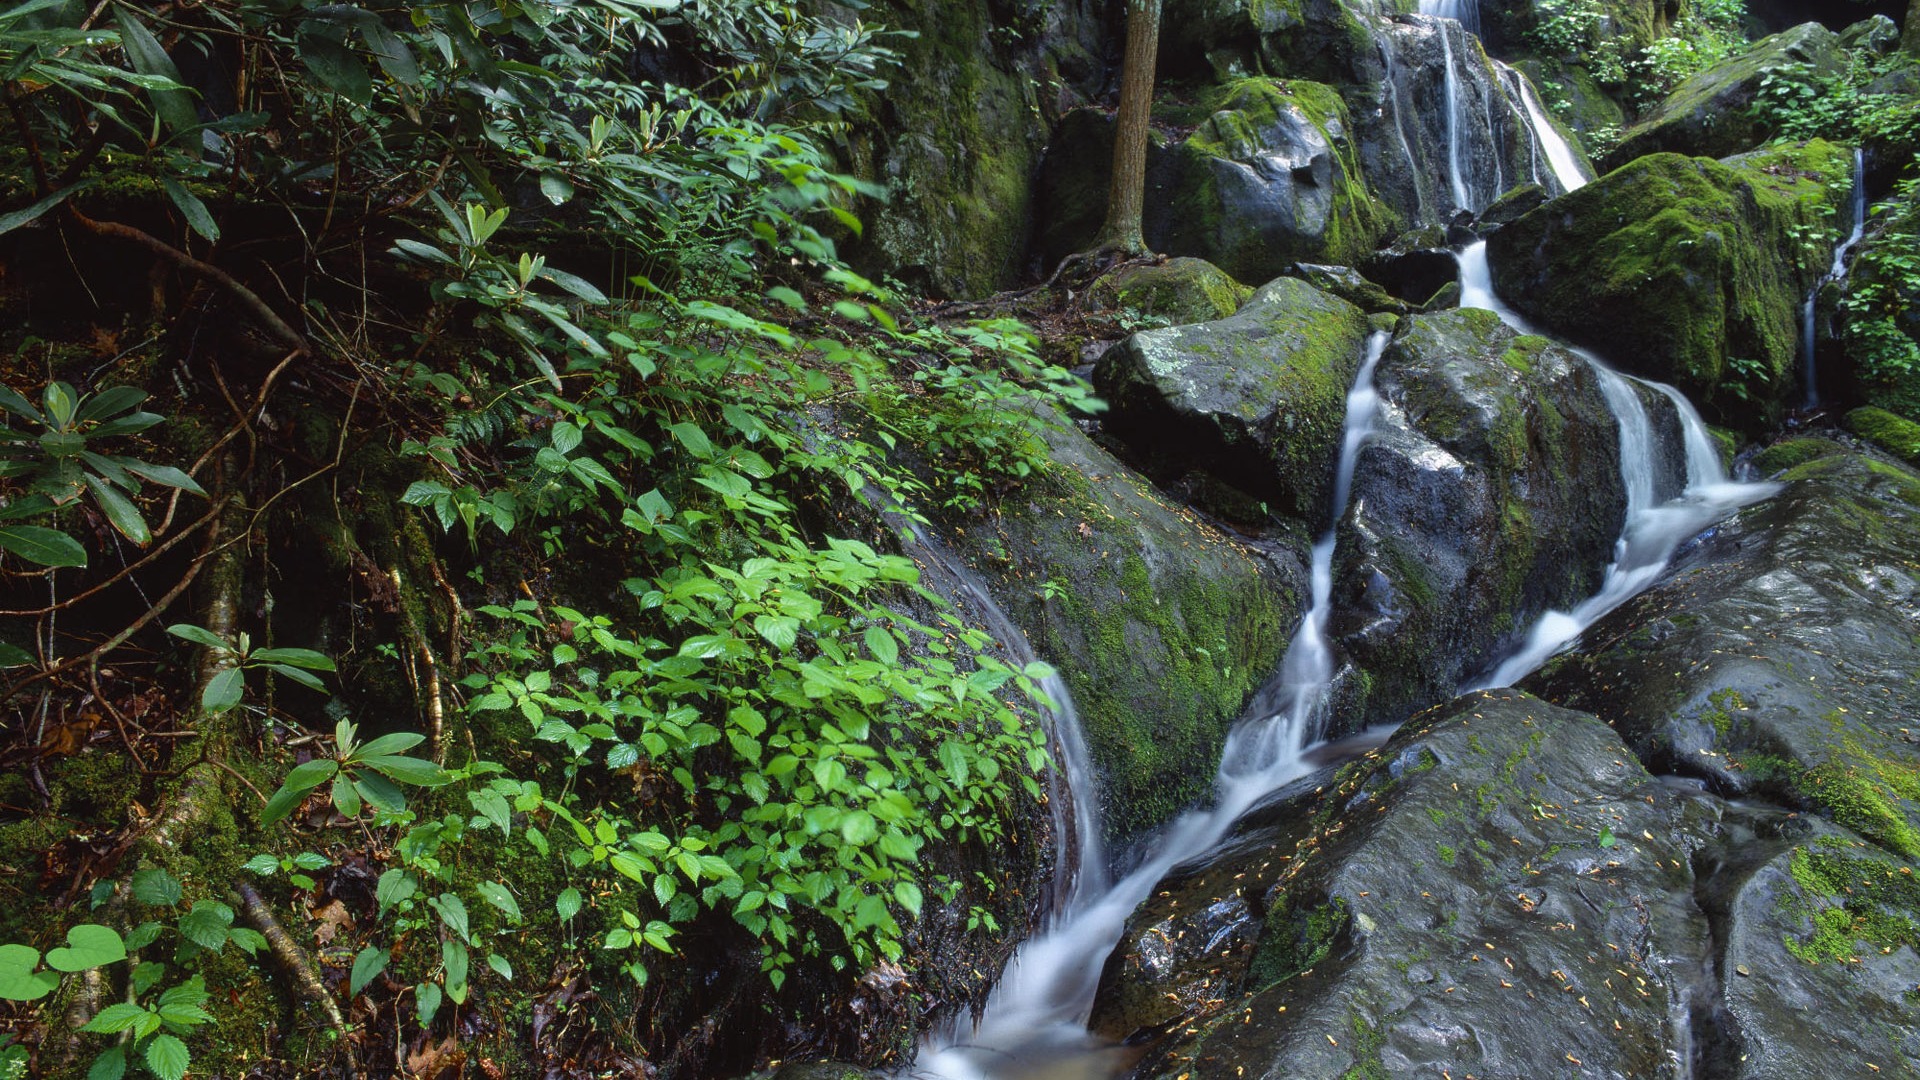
(306, 979)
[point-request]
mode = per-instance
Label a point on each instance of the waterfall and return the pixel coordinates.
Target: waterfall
(1038, 1011)
(1857, 206)
(1465, 12)
(1455, 129)
(1399, 127)
(1080, 862)
(1654, 527)
(1532, 126)
(1560, 156)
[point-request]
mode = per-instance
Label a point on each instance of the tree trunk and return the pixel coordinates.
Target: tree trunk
(1910, 34)
(1126, 193)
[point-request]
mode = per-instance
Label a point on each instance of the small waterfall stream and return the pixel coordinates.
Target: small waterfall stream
(1037, 1014)
(1456, 128)
(1857, 204)
(1654, 527)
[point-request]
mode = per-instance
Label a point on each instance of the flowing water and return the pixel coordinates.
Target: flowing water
(1857, 205)
(1456, 130)
(1036, 1017)
(1654, 527)
(1466, 12)
(1560, 156)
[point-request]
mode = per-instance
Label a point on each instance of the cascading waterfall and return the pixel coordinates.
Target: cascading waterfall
(1456, 131)
(1399, 126)
(1513, 84)
(1560, 156)
(1857, 204)
(1654, 527)
(1080, 862)
(1038, 1011)
(1465, 12)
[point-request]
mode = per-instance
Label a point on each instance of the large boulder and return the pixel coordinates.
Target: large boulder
(1267, 177)
(1685, 270)
(1778, 657)
(1162, 626)
(1257, 400)
(1490, 493)
(1500, 892)
(1711, 113)
(1180, 290)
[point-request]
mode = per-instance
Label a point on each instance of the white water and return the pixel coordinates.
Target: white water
(1466, 12)
(1455, 129)
(1080, 862)
(1038, 1012)
(1560, 156)
(1857, 204)
(1654, 527)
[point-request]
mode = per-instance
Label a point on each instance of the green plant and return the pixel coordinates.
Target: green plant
(224, 690)
(361, 773)
(58, 460)
(293, 866)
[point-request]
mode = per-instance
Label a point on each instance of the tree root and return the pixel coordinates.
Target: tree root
(306, 978)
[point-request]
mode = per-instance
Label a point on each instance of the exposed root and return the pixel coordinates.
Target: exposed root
(306, 978)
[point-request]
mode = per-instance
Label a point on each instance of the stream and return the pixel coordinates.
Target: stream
(1034, 1023)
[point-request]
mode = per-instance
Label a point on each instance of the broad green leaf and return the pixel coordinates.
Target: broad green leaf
(265, 865)
(120, 511)
(110, 1065)
(156, 887)
(168, 1057)
(48, 547)
(908, 894)
(115, 1018)
(14, 656)
(367, 966)
(406, 770)
(454, 958)
(19, 981)
(207, 924)
(567, 904)
(164, 475)
(89, 945)
(693, 438)
(496, 894)
(174, 105)
(346, 798)
(199, 636)
(557, 188)
(881, 644)
(326, 55)
(398, 742)
(305, 678)
(426, 1001)
(222, 691)
(109, 402)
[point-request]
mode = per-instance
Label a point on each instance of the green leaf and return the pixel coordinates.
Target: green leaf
(174, 105)
(367, 966)
(89, 945)
(120, 511)
(207, 924)
(455, 959)
(48, 547)
(156, 887)
(168, 1057)
(694, 439)
(567, 904)
(858, 828)
(406, 770)
(496, 894)
(394, 886)
(116, 1018)
(908, 894)
(199, 219)
(881, 644)
(500, 966)
(453, 912)
(14, 656)
(164, 475)
(222, 691)
(326, 55)
(200, 636)
(557, 188)
(109, 402)
(264, 865)
(19, 981)
(110, 1065)
(426, 1001)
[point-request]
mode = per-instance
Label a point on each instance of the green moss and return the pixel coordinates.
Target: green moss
(1896, 435)
(1182, 290)
(1785, 455)
(1296, 941)
(1849, 899)
(1722, 704)
(1868, 793)
(1447, 854)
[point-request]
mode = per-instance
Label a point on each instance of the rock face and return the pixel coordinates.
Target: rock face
(1684, 270)
(1778, 658)
(1256, 400)
(1181, 290)
(1502, 890)
(1161, 626)
(1879, 324)
(1268, 176)
(957, 133)
(1490, 493)
(1709, 114)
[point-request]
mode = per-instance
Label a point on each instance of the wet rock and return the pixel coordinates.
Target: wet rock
(1500, 892)
(1510, 206)
(1161, 626)
(1181, 290)
(1348, 284)
(1777, 657)
(1710, 113)
(1670, 266)
(1267, 177)
(1414, 272)
(1257, 400)
(1490, 493)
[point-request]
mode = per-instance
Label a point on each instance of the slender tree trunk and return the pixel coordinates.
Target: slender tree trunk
(1910, 36)
(1126, 194)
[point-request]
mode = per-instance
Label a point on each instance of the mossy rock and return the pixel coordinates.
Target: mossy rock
(1790, 453)
(1269, 176)
(1878, 317)
(1711, 113)
(1572, 95)
(1257, 400)
(1489, 494)
(1779, 657)
(1894, 434)
(1161, 626)
(1685, 270)
(1181, 290)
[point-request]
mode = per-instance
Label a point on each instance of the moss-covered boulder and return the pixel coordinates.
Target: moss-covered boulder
(1268, 176)
(1895, 434)
(1181, 290)
(1490, 493)
(1352, 286)
(1686, 270)
(1500, 891)
(1326, 40)
(1161, 626)
(955, 136)
(1711, 114)
(1779, 656)
(1256, 400)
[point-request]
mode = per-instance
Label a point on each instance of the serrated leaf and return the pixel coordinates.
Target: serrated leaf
(156, 887)
(115, 1018)
(110, 1065)
(168, 1057)
(207, 924)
